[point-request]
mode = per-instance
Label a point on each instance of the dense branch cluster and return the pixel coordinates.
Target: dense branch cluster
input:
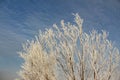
(68, 53)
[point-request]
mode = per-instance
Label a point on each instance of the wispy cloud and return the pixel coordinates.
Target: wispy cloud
(21, 19)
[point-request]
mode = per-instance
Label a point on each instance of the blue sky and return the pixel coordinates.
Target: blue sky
(20, 20)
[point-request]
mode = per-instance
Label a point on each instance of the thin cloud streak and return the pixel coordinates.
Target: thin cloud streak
(21, 19)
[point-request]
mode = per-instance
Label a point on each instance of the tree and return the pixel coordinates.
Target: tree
(68, 53)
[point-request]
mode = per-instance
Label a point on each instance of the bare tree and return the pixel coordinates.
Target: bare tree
(68, 53)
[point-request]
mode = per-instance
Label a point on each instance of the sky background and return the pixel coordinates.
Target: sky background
(20, 20)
